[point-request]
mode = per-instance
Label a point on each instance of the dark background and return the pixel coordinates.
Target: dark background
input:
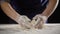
(54, 18)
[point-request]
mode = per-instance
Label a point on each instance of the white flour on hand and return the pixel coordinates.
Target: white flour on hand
(26, 23)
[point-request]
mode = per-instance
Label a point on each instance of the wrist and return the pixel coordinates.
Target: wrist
(17, 19)
(43, 16)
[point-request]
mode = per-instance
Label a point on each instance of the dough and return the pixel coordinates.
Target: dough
(28, 24)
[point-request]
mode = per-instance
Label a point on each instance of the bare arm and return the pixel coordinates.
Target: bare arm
(50, 8)
(48, 11)
(9, 11)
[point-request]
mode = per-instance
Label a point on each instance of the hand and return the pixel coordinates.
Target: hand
(24, 21)
(39, 21)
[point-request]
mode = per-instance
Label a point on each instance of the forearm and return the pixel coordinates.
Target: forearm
(49, 10)
(9, 11)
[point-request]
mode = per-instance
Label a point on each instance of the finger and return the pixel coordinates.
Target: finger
(39, 26)
(26, 18)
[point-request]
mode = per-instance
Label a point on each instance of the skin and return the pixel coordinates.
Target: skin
(49, 8)
(9, 11)
(48, 12)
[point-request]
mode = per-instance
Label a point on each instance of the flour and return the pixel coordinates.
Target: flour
(26, 23)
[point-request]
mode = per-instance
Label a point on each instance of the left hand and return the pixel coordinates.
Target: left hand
(39, 21)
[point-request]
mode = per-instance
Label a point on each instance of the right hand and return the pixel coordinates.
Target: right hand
(24, 22)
